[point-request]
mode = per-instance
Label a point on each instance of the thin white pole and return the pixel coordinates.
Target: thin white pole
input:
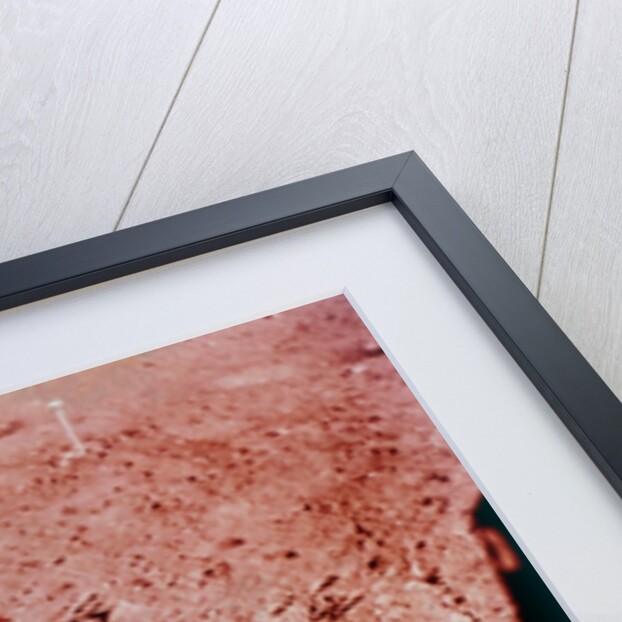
(59, 410)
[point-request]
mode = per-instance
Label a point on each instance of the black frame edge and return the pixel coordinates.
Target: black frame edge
(113, 255)
(572, 388)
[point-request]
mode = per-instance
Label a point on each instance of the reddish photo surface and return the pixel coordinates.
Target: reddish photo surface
(276, 471)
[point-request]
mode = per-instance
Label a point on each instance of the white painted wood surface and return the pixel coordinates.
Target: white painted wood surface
(84, 87)
(282, 91)
(582, 272)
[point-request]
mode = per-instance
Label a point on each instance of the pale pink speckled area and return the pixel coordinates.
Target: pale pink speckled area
(276, 471)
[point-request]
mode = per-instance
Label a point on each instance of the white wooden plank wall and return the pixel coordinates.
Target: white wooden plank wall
(84, 87)
(112, 114)
(582, 276)
(281, 91)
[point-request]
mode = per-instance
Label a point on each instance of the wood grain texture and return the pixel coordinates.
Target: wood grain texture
(582, 275)
(84, 87)
(282, 91)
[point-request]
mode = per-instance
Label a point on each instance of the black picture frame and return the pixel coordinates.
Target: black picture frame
(572, 388)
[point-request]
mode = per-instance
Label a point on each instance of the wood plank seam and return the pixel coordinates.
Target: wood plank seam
(547, 217)
(167, 114)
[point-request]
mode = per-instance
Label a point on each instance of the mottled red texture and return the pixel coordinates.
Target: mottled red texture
(279, 470)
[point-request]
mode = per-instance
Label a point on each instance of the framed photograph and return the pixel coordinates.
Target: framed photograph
(332, 400)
